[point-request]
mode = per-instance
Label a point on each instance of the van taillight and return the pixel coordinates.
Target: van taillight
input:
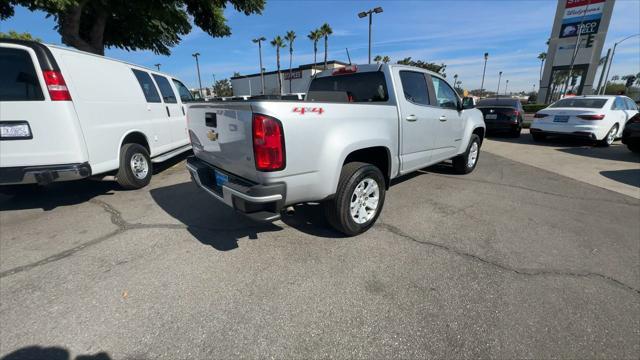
(56, 85)
(268, 143)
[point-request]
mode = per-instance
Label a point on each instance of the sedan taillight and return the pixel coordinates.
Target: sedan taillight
(592, 117)
(268, 143)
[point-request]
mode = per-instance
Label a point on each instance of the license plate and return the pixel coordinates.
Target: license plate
(491, 116)
(221, 178)
(561, 118)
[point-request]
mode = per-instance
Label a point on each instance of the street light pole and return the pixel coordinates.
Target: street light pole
(486, 56)
(195, 55)
(370, 13)
(158, 66)
(499, 77)
(506, 86)
(259, 42)
(606, 78)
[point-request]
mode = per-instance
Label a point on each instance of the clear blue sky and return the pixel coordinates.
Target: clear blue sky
(454, 32)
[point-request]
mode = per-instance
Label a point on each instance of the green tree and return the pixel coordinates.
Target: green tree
(278, 43)
(18, 36)
(93, 25)
(439, 69)
(386, 59)
(326, 30)
(377, 59)
(223, 88)
(290, 37)
(542, 57)
(315, 35)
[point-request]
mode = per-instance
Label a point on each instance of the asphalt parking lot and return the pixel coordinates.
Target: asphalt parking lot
(511, 261)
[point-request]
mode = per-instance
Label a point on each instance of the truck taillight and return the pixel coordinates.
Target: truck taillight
(345, 70)
(268, 143)
(56, 85)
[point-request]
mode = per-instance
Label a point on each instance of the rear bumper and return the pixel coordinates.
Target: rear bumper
(44, 174)
(578, 134)
(259, 202)
(587, 131)
(499, 126)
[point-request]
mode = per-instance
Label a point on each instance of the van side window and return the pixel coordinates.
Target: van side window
(414, 86)
(185, 94)
(165, 89)
(18, 78)
(447, 98)
(148, 88)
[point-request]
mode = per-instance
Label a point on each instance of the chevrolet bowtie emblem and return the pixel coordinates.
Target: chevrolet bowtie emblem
(212, 135)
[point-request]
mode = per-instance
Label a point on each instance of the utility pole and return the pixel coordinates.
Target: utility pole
(604, 69)
(499, 77)
(363, 14)
(195, 55)
(486, 56)
(158, 66)
(259, 42)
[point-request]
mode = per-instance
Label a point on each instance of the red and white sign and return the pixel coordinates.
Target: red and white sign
(304, 110)
(576, 3)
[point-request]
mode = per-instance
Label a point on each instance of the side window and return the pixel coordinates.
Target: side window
(630, 104)
(414, 86)
(185, 94)
(18, 78)
(445, 95)
(165, 89)
(148, 88)
(619, 104)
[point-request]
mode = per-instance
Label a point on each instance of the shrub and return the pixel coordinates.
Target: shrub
(533, 108)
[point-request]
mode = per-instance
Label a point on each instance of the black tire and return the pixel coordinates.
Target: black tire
(515, 133)
(606, 142)
(461, 162)
(126, 177)
(635, 147)
(538, 137)
(337, 210)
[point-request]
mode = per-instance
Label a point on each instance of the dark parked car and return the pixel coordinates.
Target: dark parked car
(502, 115)
(631, 134)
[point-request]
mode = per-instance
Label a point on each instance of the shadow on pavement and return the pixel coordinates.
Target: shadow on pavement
(71, 192)
(50, 353)
(629, 176)
(554, 141)
(208, 220)
(615, 152)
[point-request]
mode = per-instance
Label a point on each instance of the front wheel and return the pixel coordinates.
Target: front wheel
(358, 199)
(610, 137)
(135, 167)
(466, 162)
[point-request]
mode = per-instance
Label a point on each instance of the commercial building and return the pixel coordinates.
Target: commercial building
(300, 77)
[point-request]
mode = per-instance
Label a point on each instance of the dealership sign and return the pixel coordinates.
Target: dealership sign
(294, 75)
(581, 17)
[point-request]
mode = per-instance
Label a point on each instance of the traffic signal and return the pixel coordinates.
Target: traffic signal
(630, 81)
(590, 39)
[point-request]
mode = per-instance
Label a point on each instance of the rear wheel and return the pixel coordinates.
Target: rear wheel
(135, 167)
(466, 162)
(538, 137)
(358, 199)
(610, 137)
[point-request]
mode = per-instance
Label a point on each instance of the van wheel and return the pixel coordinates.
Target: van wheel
(466, 162)
(135, 167)
(358, 200)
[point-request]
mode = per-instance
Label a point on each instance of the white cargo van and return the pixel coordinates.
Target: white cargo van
(67, 114)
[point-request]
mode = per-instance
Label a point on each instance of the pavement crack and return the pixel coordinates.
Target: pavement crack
(520, 271)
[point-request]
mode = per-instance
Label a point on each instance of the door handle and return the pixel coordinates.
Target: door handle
(411, 117)
(443, 118)
(168, 113)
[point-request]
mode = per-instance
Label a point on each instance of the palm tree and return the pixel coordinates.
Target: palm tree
(291, 35)
(278, 43)
(326, 30)
(315, 35)
(377, 59)
(542, 57)
(386, 59)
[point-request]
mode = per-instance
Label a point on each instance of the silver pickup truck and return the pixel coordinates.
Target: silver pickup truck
(358, 128)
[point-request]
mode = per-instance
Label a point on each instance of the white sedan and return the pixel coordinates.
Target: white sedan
(600, 118)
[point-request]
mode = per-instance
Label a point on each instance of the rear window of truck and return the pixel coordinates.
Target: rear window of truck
(18, 78)
(499, 102)
(359, 87)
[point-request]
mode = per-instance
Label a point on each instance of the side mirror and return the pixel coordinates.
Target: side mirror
(467, 103)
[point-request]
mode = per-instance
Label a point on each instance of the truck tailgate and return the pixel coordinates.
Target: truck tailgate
(221, 135)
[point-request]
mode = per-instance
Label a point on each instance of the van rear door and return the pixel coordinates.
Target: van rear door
(38, 122)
